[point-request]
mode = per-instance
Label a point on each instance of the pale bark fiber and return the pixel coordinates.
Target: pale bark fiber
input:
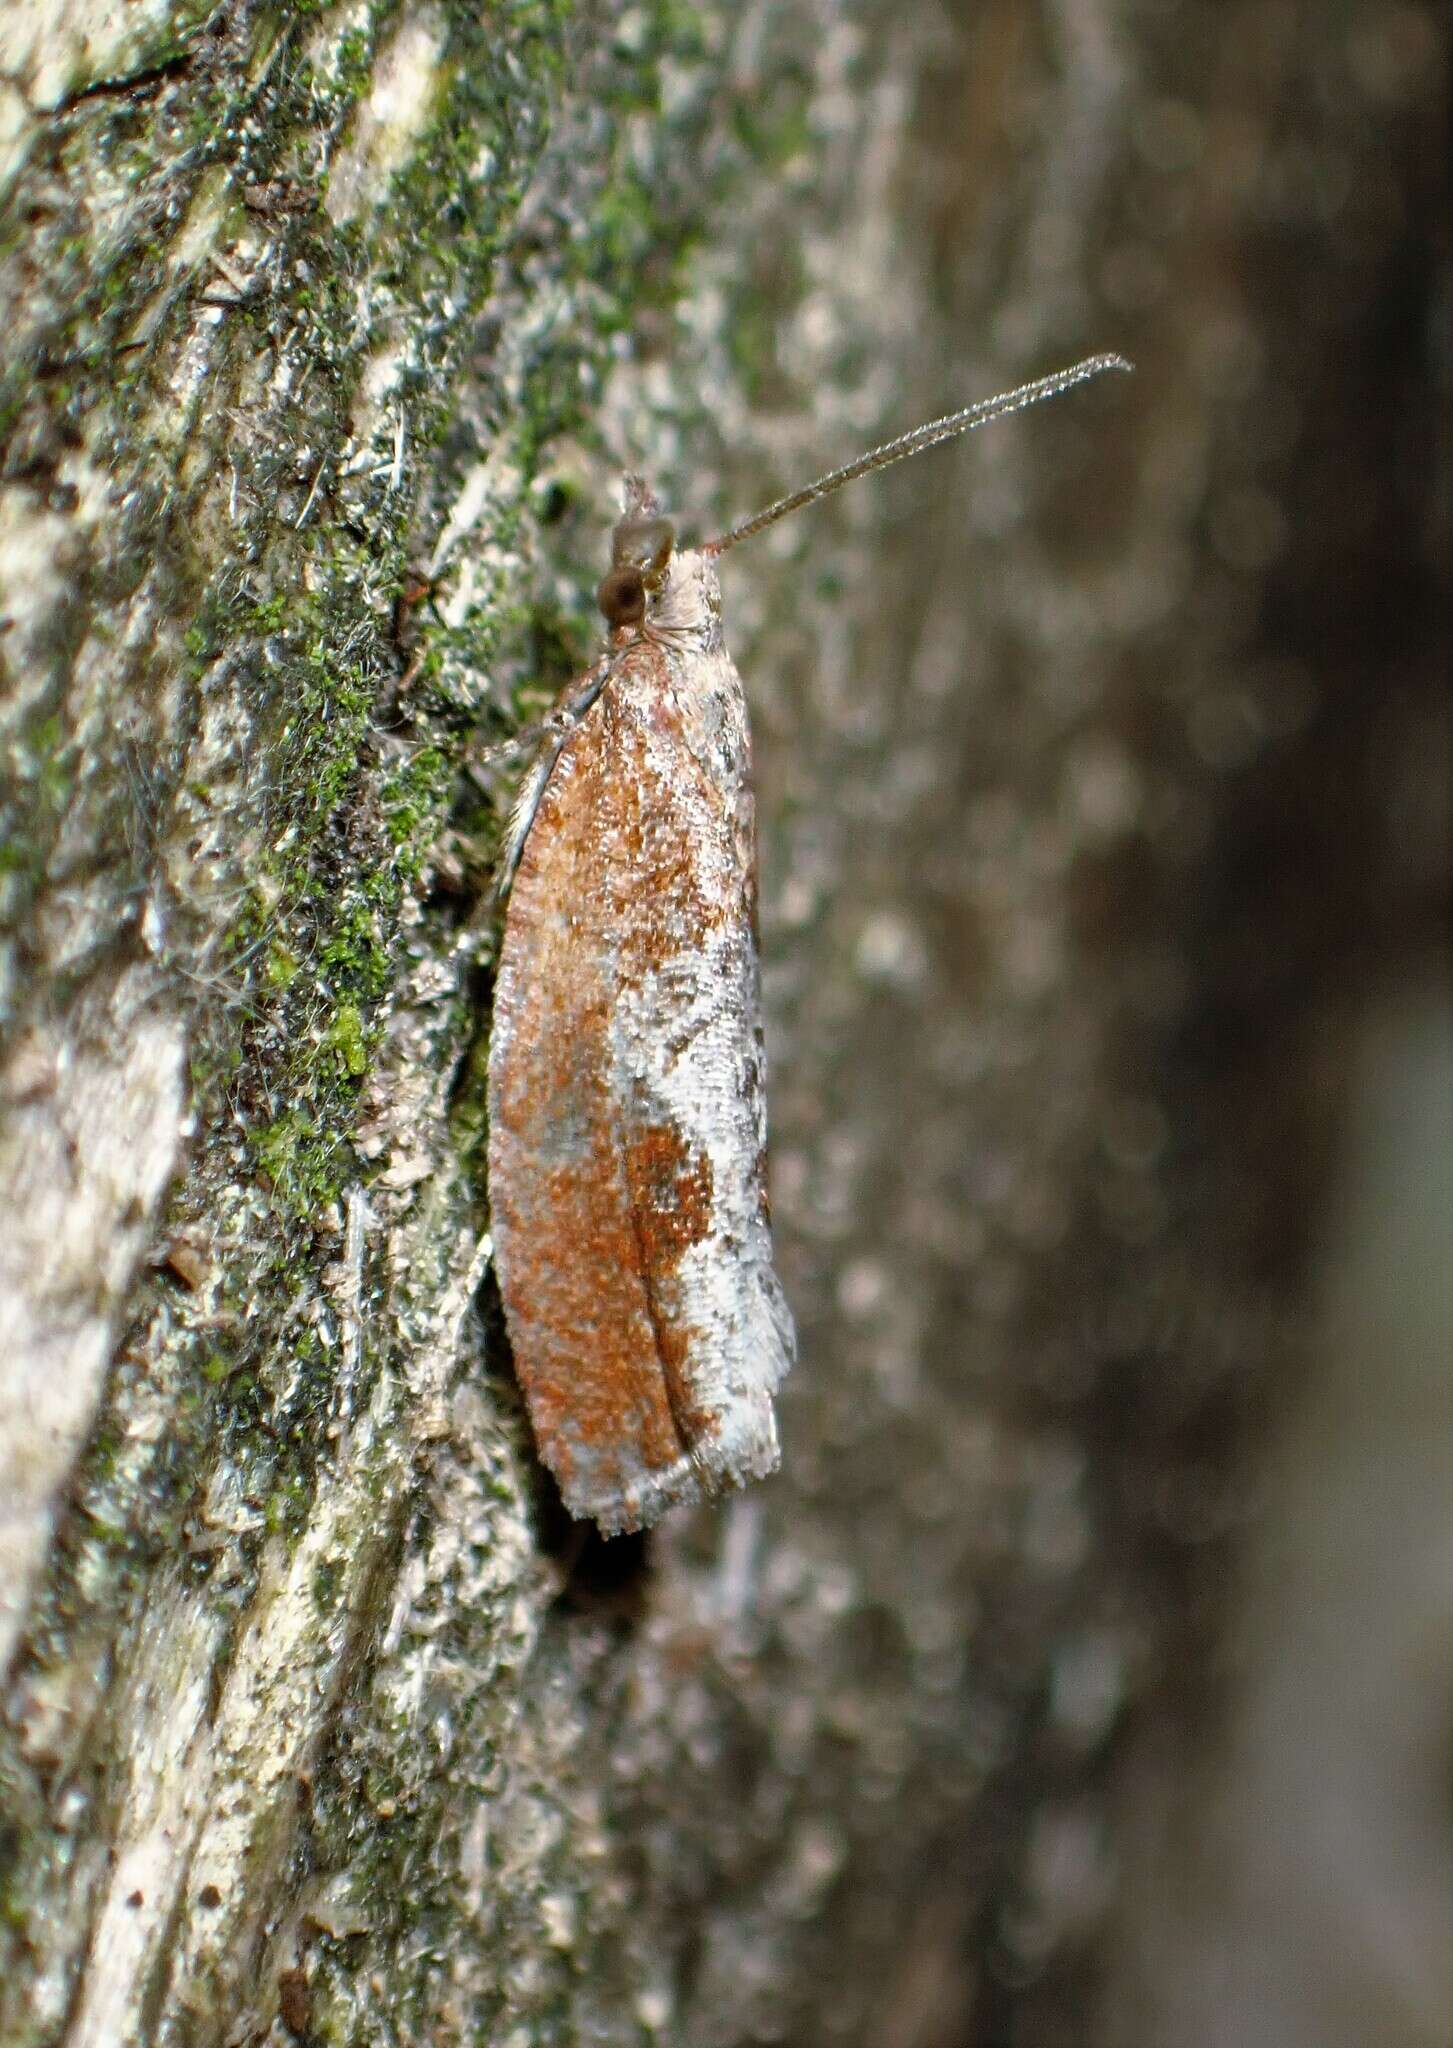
(1092, 760)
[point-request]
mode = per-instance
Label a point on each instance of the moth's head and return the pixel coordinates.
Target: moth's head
(650, 585)
(649, 582)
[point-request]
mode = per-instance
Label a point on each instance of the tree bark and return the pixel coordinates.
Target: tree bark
(1094, 769)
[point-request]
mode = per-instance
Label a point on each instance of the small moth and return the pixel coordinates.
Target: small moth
(627, 1104)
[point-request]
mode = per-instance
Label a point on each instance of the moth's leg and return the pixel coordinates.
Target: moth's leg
(550, 736)
(566, 712)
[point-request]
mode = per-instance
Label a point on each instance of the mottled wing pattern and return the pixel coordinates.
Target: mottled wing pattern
(627, 1103)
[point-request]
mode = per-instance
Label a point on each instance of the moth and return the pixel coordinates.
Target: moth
(627, 1085)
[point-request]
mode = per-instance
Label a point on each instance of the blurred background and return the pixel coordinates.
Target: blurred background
(1105, 772)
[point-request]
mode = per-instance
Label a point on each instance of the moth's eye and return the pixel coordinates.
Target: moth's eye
(622, 597)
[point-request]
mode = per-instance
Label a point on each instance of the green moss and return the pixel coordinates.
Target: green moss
(349, 1039)
(266, 616)
(280, 968)
(414, 800)
(354, 955)
(301, 1162)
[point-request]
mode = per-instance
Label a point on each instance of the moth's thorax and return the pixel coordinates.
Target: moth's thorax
(686, 610)
(679, 681)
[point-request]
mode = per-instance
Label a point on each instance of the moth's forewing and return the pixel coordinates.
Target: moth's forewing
(627, 1103)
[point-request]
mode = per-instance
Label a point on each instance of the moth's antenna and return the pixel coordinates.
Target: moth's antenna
(928, 436)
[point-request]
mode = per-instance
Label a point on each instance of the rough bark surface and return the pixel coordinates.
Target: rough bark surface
(1095, 766)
